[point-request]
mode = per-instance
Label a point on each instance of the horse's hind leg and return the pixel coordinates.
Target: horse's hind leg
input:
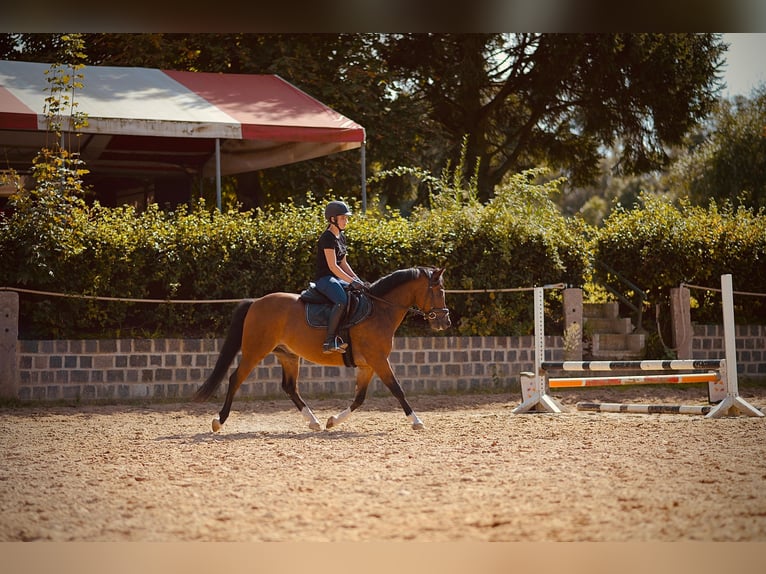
(247, 364)
(291, 364)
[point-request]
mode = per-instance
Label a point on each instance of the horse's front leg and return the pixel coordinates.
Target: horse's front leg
(386, 374)
(363, 378)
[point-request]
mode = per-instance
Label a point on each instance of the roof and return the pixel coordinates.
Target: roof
(164, 121)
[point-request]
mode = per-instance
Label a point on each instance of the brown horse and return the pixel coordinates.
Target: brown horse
(277, 323)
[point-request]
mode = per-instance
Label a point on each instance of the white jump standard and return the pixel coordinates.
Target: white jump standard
(722, 383)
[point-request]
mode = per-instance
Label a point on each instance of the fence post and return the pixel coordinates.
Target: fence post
(9, 341)
(680, 312)
(573, 324)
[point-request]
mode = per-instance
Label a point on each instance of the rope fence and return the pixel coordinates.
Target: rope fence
(214, 301)
(117, 299)
(508, 290)
(702, 288)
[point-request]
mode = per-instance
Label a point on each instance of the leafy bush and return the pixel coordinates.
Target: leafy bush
(658, 245)
(517, 239)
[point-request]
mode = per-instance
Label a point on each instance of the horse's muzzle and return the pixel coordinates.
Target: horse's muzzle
(438, 319)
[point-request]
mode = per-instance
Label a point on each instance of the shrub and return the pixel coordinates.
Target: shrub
(658, 245)
(517, 239)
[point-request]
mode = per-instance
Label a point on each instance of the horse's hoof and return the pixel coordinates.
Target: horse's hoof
(216, 425)
(315, 426)
(330, 423)
(418, 426)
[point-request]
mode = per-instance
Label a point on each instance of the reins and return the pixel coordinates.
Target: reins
(432, 313)
(387, 302)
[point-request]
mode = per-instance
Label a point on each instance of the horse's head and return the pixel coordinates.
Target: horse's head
(433, 305)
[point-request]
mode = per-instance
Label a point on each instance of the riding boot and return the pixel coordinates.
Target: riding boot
(333, 343)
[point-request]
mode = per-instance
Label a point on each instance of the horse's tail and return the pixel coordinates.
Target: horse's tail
(231, 346)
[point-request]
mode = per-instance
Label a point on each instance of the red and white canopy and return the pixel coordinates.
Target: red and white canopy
(159, 120)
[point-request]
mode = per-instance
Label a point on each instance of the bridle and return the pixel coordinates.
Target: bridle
(434, 312)
(431, 314)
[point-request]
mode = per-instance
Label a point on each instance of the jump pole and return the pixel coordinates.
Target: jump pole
(644, 409)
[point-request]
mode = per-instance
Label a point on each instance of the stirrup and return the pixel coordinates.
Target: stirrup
(334, 345)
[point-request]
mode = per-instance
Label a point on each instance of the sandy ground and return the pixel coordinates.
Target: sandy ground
(155, 472)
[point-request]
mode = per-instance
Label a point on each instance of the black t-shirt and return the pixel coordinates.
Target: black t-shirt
(328, 241)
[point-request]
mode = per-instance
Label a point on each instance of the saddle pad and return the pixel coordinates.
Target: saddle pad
(318, 314)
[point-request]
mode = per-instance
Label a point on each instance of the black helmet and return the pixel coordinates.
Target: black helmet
(335, 208)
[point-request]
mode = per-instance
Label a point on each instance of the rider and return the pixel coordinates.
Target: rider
(333, 271)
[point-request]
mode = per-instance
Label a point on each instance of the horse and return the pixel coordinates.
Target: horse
(277, 323)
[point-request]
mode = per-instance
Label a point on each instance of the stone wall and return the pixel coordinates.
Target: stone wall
(707, 343)
(174, 368)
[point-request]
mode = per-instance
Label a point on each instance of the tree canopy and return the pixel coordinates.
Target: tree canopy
(557, 99)
(519, 100)
(725, 158)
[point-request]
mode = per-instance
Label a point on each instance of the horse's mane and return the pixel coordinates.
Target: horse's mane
(393, 280)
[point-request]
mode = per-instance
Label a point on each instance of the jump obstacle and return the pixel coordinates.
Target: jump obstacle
(720, 374)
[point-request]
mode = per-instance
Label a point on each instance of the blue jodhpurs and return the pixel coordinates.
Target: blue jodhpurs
(333, 288)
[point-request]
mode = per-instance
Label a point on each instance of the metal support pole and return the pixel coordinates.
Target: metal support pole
(218, 173)
(539, 400)
(364, 176)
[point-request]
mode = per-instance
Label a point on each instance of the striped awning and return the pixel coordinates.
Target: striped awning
(161, 120)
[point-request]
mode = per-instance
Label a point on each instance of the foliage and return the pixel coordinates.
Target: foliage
(557, 99)
(518, 239)
(57, 168)
(524, 100)
(726, 159)
(659, 245)
(192, 253)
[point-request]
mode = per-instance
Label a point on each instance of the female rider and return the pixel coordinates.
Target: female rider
(333, 272)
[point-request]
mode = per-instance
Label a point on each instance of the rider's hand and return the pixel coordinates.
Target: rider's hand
(357, 285)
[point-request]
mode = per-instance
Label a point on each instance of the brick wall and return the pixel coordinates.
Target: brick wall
(175, 368)
(707, 343)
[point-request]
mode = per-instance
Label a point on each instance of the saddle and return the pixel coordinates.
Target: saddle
(318, 309)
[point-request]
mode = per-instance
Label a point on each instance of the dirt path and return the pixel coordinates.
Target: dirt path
(476, 473)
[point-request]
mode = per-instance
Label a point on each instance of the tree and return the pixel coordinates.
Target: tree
(726, 158)
(522, 100)
(556, 99)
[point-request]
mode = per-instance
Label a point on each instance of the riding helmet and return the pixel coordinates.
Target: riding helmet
(335, 208)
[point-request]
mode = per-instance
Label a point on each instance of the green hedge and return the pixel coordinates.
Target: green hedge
(658, 245)
(518, 239)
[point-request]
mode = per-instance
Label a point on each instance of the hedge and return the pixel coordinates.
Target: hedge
(518, 239)
(659, 244)
(50, 244)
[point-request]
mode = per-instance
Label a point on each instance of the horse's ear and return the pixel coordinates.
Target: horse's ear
(438, 273)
